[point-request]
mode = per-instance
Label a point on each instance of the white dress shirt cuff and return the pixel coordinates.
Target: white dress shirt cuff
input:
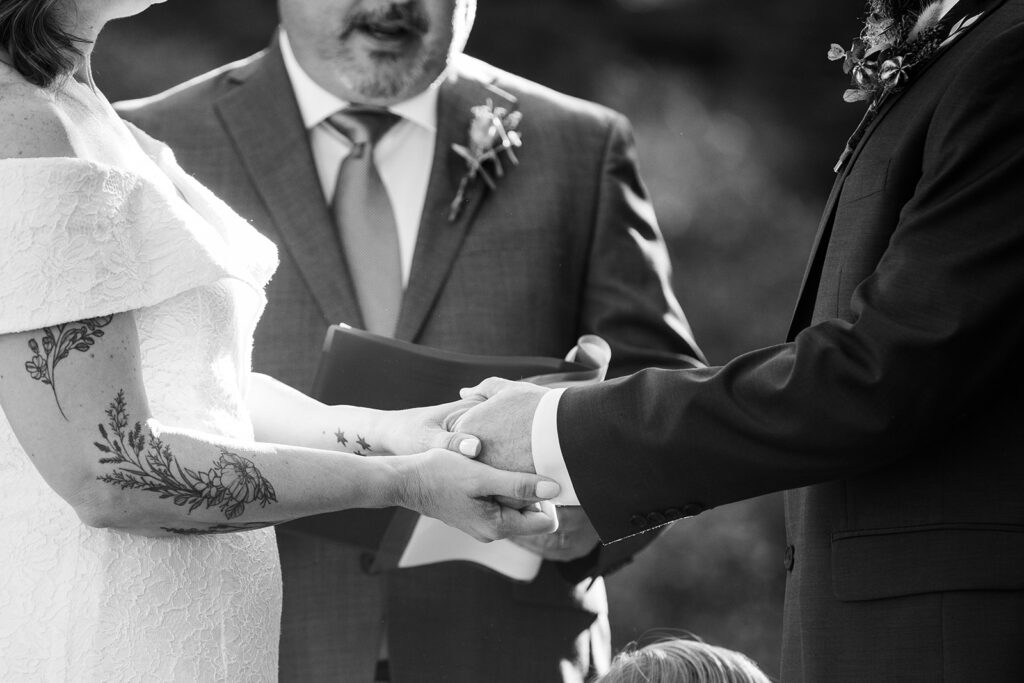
(547, 452)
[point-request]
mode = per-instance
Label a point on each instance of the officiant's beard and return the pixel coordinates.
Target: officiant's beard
(391, 77)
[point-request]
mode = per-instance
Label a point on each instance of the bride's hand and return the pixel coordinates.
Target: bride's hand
(464, 494)
(420, 429)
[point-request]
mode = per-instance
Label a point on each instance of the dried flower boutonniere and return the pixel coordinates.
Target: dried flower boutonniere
(492, 132)
(881, 60)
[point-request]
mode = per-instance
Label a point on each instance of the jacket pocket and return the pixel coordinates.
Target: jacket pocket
(869, 564)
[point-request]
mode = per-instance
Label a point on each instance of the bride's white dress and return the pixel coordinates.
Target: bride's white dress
(121, 228)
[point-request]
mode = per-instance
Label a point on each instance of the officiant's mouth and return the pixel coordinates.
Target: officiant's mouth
(388, 34)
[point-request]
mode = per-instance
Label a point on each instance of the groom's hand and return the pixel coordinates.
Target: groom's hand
(575, 538)
(503, 421)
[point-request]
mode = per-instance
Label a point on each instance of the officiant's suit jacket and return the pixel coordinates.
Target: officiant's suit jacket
(895, 412)
(567, 244)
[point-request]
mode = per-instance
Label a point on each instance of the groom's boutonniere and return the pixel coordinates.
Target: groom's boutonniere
(881, 60)
(492, 133)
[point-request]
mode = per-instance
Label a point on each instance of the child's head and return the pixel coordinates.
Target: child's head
(682, 660)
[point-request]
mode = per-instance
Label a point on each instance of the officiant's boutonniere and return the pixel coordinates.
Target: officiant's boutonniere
(881, 61)
(492, 133)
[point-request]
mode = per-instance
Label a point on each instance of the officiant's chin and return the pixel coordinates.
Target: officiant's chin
(376, 53)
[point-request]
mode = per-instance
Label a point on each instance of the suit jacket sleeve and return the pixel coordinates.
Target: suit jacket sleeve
(931, 331)
(628, 298)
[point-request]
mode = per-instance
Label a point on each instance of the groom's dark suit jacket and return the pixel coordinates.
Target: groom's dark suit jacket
(896, 410)
(566, 245)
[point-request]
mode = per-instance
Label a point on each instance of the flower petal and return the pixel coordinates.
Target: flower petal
(855, 95)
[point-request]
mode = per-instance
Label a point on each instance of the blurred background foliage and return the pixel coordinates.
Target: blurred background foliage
(738, 119)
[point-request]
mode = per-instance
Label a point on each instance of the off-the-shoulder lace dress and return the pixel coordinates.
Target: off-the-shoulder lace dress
(122, 227)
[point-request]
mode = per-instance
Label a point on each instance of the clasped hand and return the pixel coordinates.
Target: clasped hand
(492, 422)
(501, 415)
(486, 502)
(503, 499)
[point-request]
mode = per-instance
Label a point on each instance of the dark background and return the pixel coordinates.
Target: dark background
(738, 118)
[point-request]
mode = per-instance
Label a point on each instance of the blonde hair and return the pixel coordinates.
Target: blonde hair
(682, 660)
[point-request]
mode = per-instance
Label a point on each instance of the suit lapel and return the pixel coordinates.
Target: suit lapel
(261, 116)
(812, 273)
(802, 313)
(439, 238)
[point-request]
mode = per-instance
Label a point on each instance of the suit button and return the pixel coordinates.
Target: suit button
(638, 522)
(693, 509)
(673, 514)
(790, 558)
(366, 561)
(656, 518)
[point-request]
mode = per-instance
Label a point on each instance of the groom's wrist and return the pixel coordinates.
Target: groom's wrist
(547, 452)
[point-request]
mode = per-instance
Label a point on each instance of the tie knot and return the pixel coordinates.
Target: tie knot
(363, 126)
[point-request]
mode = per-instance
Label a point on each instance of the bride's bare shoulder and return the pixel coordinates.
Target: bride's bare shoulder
(31, 123)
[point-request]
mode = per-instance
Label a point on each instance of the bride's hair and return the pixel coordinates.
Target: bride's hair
(33, 35)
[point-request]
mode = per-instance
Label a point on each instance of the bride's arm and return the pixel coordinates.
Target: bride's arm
(281, 414)
(74, 396)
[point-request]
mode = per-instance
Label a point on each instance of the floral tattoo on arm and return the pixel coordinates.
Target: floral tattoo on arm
(147, 464)
(58, 342)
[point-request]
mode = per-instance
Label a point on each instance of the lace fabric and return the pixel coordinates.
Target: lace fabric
(83, 238)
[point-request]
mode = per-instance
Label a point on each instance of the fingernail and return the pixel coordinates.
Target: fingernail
(470, 446)
(547, 489)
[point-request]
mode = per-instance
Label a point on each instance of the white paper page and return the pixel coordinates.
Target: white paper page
(433, 541)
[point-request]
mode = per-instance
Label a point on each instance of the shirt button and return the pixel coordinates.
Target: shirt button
(790, 558)
(638, 522)
(673, 514)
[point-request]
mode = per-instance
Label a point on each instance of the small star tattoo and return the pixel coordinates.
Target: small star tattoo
(358, 452)
(341, 437)
(362, 443)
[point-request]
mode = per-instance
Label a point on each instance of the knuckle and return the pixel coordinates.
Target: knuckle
(446, 441)
(449, 421)
(492, 384)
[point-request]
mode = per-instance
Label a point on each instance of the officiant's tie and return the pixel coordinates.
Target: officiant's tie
(366, 221)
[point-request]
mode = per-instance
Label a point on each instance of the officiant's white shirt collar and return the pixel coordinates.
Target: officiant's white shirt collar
(317, 105)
